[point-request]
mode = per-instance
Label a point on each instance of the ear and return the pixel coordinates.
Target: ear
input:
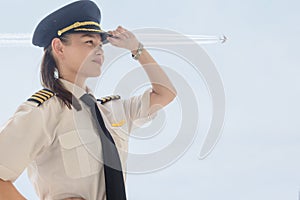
(57, 47)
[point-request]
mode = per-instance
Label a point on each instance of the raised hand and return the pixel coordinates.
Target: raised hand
(123, 38)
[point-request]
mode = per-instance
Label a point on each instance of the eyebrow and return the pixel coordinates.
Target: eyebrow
(88, 35)
(91, 36)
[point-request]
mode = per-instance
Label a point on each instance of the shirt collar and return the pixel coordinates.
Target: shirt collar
(75, 89)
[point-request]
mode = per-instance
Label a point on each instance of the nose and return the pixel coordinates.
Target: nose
(99, 50)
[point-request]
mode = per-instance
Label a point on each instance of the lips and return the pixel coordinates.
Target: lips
(98, 61)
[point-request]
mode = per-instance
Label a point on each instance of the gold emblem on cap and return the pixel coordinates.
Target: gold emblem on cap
(76, 25)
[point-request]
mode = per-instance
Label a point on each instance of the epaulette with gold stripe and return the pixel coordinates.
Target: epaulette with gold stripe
(108, 98)
(41, 96)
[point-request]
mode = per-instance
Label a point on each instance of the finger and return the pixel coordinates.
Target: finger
(113, 33)
(126, 34)
(123, 31)
(121, 35)
(109, 34)
(113, 41)
(122, 28)
(117, 33)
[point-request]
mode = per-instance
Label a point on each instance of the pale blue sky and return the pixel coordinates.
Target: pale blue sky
(258, 154)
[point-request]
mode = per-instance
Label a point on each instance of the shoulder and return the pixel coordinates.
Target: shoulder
(44, 109)
(40, 97)
(32, 110)
(44, 101)
(106, 99)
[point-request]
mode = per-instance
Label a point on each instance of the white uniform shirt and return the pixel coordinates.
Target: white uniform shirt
(61, 147)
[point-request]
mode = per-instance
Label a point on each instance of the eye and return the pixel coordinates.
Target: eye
(90, 42)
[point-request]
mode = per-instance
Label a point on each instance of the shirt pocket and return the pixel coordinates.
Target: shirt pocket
(81, 153)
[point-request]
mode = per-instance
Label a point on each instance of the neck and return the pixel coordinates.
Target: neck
(80, 82)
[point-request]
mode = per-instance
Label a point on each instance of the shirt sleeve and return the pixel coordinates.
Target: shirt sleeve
(137, 110)
(21, 140)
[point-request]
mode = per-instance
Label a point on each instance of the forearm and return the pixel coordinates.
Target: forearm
(161, 84)
(9, 192)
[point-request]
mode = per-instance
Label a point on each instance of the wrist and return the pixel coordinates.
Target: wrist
(136, 53)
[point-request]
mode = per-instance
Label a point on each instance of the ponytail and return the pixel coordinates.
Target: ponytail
(50, 80)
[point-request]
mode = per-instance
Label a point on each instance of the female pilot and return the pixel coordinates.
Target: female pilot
(74, 146)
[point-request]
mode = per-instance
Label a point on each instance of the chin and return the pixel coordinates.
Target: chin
(94, 74)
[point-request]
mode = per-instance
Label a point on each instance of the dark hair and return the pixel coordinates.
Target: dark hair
(49, 80)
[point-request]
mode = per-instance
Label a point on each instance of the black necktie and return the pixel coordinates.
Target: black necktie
(114, 181)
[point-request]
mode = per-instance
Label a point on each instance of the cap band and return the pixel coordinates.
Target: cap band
(78, 24)
(88, 30)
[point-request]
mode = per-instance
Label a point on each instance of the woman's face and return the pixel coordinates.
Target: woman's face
(82, 56)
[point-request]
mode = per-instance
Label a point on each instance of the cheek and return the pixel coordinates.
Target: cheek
(90, 68)
(77, 58)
